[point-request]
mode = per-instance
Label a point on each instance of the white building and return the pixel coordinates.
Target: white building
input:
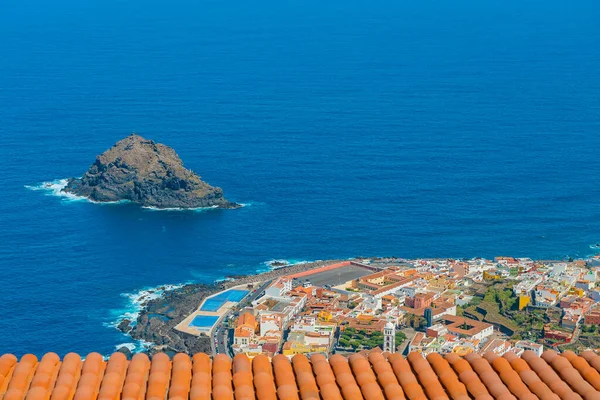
(527, 345)
(389, 338)
(279, 287)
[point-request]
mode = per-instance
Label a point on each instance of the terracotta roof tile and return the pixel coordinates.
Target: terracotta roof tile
(454, 387)
(181, 377)
(201, 377)
(325, 378)
(263, 378)
(134, 387)
(379, 376)
(365, 377)
(287, 389)
(242, 378)
(345, 378)
(427, 377)
(304, 377)
(385, 376)
(468, 377)
(529, 377)
(68, 376)
(92, 373)
(160, 374)
(548, 376)
(590, 374)
(45, 375)
(406, 377)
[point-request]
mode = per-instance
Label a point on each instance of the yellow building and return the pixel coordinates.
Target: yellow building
(325, 316)
(462, 350)
(491, 275)
(524, 301)
(577, 292)
(292, 348)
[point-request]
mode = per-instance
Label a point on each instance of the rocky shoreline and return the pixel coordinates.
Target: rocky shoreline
(159, 316)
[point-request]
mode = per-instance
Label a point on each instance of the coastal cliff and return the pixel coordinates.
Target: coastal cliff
(148, 173)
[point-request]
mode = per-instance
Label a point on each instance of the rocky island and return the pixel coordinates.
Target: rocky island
(147, 173)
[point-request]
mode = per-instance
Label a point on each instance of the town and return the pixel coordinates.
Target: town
(395, 305)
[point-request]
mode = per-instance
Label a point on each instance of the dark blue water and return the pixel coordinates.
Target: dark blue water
(406, 128)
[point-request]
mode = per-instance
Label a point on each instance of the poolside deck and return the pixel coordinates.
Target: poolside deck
(225, 307)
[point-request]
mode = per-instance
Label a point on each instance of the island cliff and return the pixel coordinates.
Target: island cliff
(148, 173)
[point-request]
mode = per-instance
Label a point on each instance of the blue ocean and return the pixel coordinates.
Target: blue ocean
(348, 128)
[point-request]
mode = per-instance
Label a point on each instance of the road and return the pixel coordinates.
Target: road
(410, 334)
(219, 338)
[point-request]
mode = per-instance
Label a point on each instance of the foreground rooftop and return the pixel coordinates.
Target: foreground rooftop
(377, 376)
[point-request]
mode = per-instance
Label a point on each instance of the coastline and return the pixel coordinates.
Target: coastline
(157, 317)
(155, 324)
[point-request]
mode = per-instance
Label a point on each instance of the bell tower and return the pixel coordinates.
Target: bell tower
(389, 338)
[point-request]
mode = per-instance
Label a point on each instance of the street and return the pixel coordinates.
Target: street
(219, 338)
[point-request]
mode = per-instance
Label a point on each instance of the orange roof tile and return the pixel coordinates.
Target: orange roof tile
(378, 376)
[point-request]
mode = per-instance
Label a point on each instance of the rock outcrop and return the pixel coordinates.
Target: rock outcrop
(159, 316)
(148, 173)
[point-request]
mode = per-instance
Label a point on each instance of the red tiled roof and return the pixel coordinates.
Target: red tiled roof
(376, 376)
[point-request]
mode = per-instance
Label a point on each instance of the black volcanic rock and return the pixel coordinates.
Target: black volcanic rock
(124, 326)
(147, 173)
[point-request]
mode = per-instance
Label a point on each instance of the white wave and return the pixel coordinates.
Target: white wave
(280, 263)
(179, 209)
(197, 209)
(138, 346)
(219, 280)
(55, 188)
(135, 301)
(130, 346)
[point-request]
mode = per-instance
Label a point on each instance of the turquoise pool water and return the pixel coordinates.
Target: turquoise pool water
(214, 303)
(204, 321)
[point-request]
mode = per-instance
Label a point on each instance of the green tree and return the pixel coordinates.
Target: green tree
(519, 318)
(400, 337)
(490, 295)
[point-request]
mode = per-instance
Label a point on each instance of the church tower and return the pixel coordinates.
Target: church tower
(389, 338)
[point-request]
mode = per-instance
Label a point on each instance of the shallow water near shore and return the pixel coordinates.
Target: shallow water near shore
(350, 128)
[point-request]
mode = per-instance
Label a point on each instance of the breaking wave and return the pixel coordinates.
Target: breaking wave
(135, 303)
(55, 188)
(136, 347)
(279, 263)
(198, 209)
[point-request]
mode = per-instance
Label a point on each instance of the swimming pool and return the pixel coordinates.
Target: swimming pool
(204, 322)
(214, 303)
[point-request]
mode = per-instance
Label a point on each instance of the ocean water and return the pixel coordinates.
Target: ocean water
(349, 128)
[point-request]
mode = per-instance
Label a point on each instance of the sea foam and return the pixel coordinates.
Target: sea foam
(136, 300)
(279, 263)
(137, 346)
(55, 188)
(197, 209)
